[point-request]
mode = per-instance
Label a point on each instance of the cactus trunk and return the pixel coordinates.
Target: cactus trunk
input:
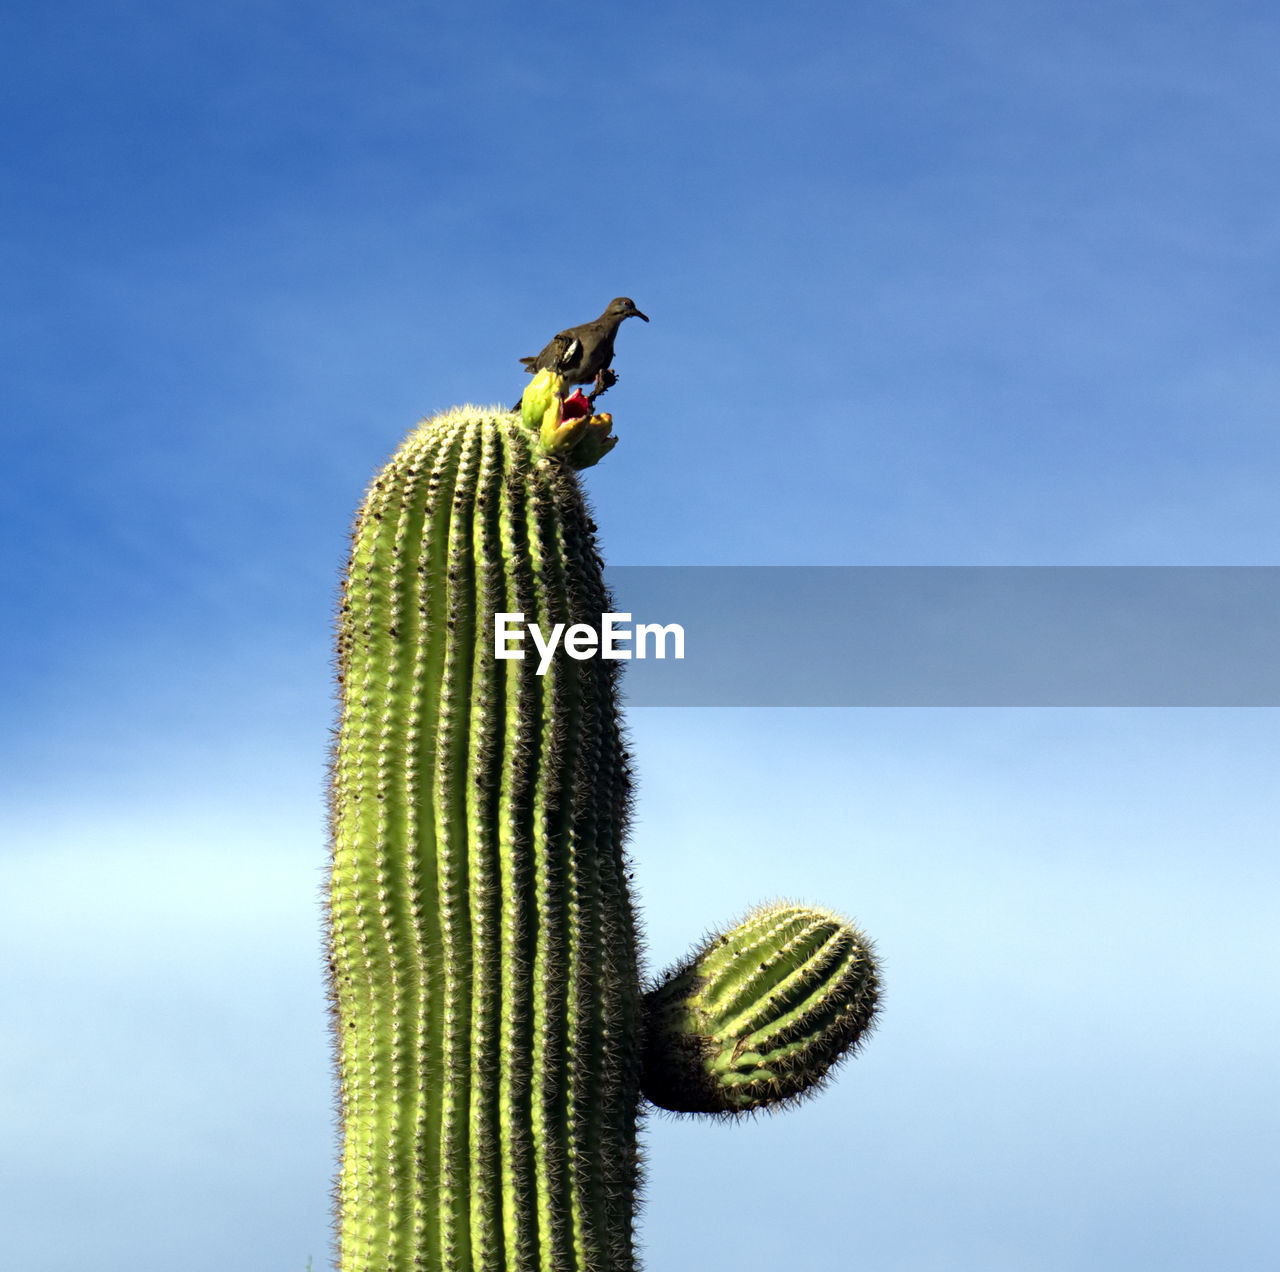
(482, 948)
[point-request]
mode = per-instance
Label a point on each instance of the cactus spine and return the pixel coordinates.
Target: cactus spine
(483, 961)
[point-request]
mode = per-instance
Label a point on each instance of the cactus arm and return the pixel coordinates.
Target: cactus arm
(758, 1016)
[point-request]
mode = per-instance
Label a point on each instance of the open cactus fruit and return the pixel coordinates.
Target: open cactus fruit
(494, 1041)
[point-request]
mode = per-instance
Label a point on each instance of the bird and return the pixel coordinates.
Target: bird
(583, 354)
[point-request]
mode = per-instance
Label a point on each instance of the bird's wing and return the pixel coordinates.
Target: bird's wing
(561, 352)
(570, 355)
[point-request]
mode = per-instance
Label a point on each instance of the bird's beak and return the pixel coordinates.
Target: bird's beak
(635, 313)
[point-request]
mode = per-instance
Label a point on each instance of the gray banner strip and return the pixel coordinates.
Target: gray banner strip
(955, 636)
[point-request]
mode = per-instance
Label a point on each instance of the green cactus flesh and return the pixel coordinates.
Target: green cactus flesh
(759, 1015)
(483, 952)
(483, 960)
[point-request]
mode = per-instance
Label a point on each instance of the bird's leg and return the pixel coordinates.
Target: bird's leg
(605, 380)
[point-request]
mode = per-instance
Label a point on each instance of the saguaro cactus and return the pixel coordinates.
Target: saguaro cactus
(486, 1004)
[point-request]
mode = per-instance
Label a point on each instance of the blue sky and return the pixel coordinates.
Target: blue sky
(929, 284)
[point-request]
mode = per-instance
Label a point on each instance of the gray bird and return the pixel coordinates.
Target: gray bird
(583, 354)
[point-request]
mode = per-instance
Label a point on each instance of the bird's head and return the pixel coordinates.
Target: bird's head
(623, 307)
